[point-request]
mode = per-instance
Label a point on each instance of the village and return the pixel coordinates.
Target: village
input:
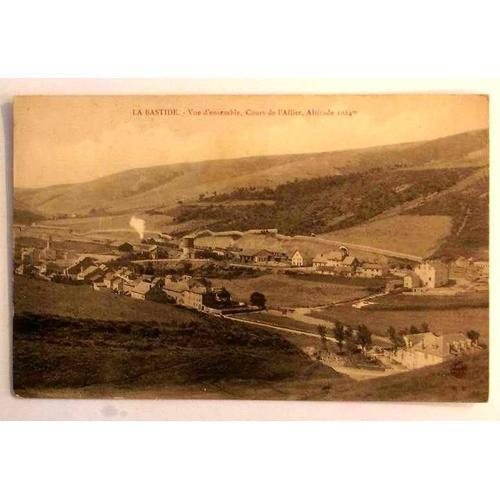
(143, 271)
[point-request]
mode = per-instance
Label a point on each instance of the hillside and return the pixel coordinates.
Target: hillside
(127, 348)
(70, 341)
(325, 204)
(166, 185)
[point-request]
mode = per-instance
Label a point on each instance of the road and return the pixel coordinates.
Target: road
(275, 327)
(381, 340)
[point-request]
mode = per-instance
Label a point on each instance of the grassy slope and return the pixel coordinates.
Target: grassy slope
(439, 320)
(285, 291)
(469, 210)
(107, 345)
(150, 187)
(104, 358)
(167, 360)
(431, 384)
(413, 234)
(43, 297)
(320, 205)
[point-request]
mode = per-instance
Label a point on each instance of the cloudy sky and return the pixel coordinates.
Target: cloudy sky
(59, 140)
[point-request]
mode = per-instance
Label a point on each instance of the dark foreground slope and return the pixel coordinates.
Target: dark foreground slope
(79, 343)
(65, 357)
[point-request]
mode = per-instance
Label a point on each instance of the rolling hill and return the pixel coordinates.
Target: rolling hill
(165, 185)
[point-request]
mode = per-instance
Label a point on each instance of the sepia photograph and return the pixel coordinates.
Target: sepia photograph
(251, 247)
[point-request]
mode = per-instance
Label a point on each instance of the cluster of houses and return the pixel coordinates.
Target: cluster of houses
(470, 268)
(148, 249)
(341, 262)
(194, 293)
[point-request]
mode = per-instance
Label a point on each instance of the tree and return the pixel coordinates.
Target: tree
(413, 329)
(322, 333)
(223, 295)
(364, 336)
(396, 338)
(258, 299)
(424, 327)
(339, 334)
(473, 335)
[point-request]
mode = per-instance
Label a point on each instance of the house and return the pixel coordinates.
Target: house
(149, 251)
(428, 348)
(393, 285)
(246, 256)
(123, 247)
(129, 285)
(263, 257)
(320, 261)
(107, 279)
(195, 293)
(99, 286)
(411, 281)
(174, 288)
(193, 296)
(126, 274)
(330, 259)
(300, 259)
(202, 296)
(30, 256)
(90, 274)
(117, 284)
(73, 270)
(432, 274)
(140, 290)
(349, 264)
(279, 256)
(371, 270)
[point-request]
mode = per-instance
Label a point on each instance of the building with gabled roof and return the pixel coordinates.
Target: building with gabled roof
(300, 258)
(334, 258)
(140, 290)
(428, 348)
(372, 270)
(123, 246)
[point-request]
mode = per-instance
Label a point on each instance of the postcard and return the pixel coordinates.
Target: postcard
(253, 247)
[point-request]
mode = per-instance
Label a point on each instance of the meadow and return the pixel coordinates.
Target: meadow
(413, 234)
(440, 321)
(285, 291)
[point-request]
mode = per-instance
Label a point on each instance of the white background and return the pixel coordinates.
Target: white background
(454, 41)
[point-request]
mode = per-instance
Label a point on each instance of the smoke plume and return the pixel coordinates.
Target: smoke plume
(139, 225)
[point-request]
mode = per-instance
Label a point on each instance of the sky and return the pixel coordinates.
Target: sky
(70, 139)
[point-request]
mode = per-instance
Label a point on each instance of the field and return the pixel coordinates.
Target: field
(426, 302)
(73, 244)
(286, 291)
(439, 320)
(413, 234)
(42, 297)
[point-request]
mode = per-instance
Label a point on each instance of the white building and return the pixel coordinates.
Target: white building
(300, 259)
(428, 348)
(432, 274)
